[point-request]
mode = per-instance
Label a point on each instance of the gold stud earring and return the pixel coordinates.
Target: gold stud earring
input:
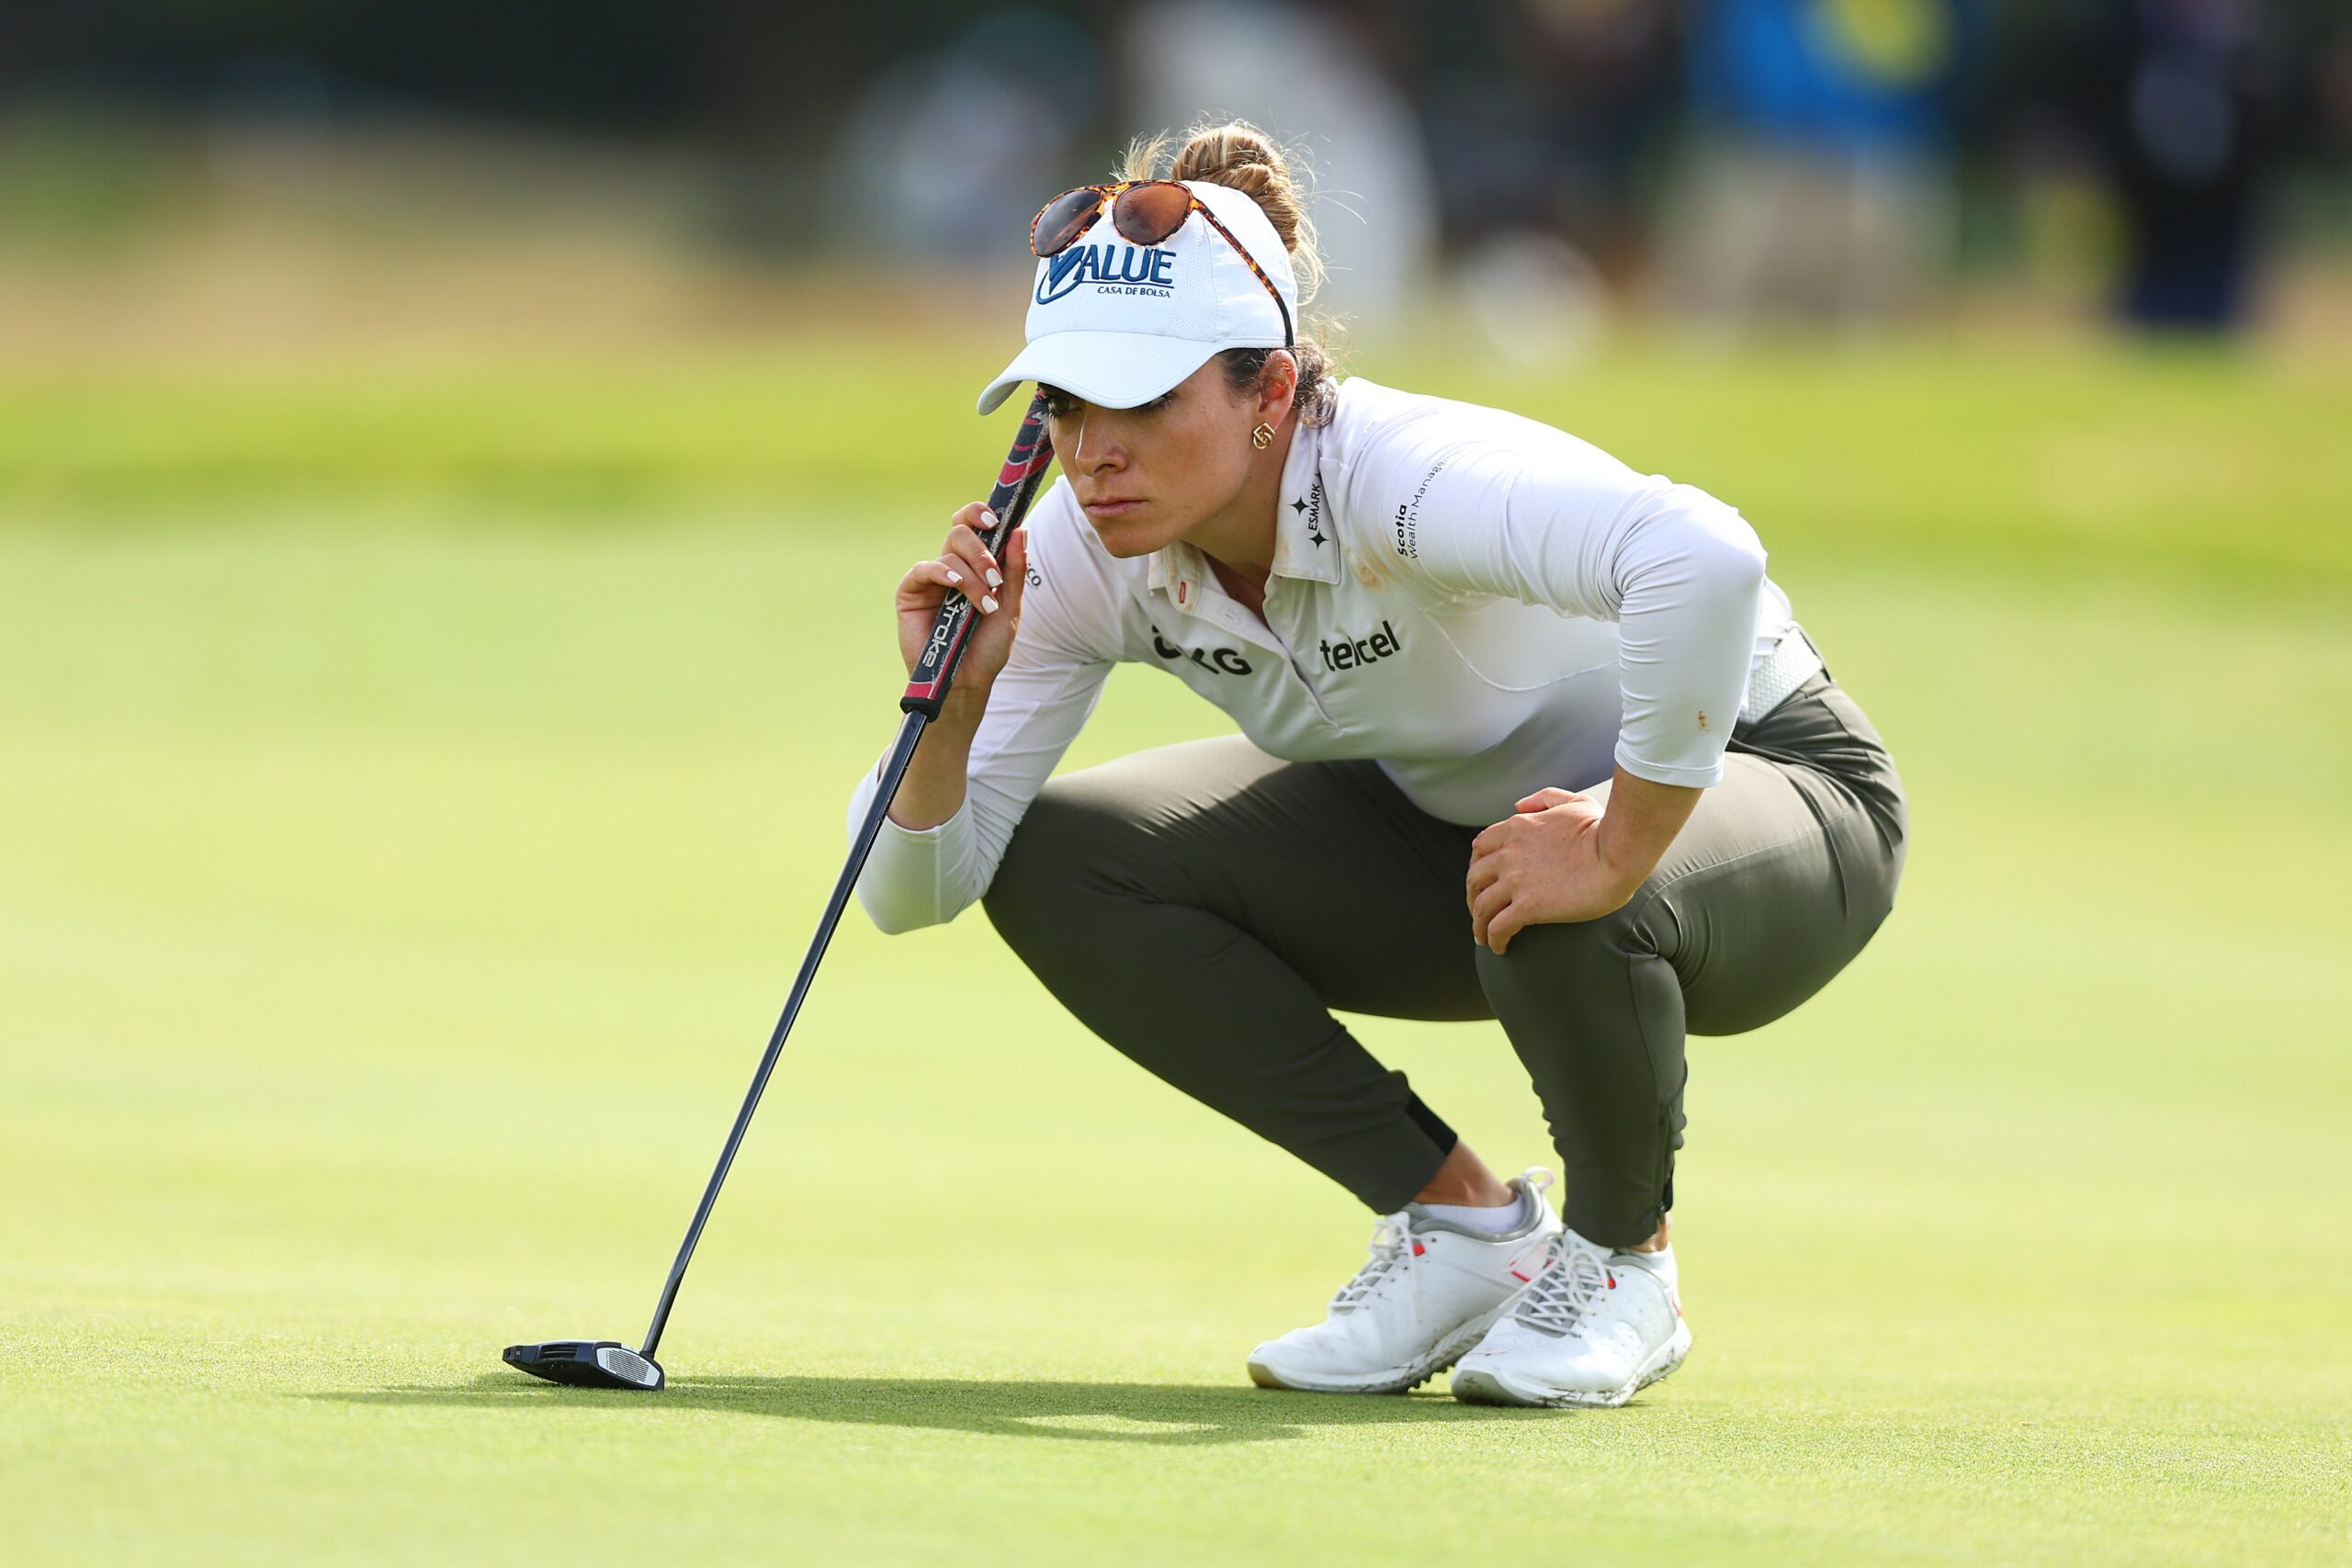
(1262, 437)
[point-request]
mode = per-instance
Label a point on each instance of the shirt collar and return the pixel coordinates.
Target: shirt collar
(1306, 536)
(1179, 571)
(1306, 542)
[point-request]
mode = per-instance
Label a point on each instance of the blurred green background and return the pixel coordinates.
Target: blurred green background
(449, 497)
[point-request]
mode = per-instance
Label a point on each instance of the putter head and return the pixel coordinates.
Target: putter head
(586, 1363)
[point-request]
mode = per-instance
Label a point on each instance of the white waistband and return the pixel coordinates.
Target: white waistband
(1787, 667)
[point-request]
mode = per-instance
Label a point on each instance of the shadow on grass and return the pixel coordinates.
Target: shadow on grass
(1173, 1415)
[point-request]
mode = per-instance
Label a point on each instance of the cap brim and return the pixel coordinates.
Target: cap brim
(1116, 371)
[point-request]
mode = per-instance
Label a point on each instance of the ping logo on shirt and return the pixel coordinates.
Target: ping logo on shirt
(1119, 269)
(1346, 655)
(1216, 661)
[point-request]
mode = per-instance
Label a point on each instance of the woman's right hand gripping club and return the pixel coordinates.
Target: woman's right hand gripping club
(965, 566)
(934, 787)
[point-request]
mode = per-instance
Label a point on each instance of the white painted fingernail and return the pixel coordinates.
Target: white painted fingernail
(988, 517)
(996, 578)
(956, 577)
(988, 603)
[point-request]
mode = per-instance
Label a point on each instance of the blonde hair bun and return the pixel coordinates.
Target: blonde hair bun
(1237, 155)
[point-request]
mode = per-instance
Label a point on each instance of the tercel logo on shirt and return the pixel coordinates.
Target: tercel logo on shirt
(1120, 269)
(1346, 654)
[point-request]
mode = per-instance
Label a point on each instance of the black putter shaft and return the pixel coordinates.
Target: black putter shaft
(934, 674)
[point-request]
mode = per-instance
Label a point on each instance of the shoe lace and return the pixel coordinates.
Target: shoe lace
(1392, 1254)
(1570, 1282)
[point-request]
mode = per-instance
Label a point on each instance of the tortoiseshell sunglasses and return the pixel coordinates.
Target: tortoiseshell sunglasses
(1144, 212)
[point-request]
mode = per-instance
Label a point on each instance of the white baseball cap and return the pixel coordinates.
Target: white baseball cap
(1118, 323)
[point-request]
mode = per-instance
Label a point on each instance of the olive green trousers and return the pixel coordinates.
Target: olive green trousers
(1205, 906)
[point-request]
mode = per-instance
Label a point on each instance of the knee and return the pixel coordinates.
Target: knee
(1034, 857)
(1066, 845)
(1612, 938)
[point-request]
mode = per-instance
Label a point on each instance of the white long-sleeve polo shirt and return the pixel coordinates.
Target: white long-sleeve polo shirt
(1482, 604)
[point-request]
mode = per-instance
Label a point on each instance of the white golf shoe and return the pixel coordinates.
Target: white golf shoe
(1425, 1294)
(1593, 1328)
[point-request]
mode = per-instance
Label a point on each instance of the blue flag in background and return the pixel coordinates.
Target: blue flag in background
(1842, 73)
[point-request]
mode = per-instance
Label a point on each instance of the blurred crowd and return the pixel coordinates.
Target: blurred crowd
(1834, 161)
(1735, 160)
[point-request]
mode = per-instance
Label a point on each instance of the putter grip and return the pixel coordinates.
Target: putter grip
(1016, 486)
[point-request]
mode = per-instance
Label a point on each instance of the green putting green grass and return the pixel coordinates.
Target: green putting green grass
(417, 785)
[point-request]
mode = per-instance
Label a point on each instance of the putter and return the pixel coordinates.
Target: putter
(608, 1363)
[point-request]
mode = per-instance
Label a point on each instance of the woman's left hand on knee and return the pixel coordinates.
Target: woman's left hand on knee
(1542, 866)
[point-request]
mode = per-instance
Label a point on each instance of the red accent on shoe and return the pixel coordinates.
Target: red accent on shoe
(1418, 1250)
(1613, 1281)
(1522, 1279)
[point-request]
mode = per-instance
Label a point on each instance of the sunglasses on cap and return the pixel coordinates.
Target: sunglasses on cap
(1144, 212)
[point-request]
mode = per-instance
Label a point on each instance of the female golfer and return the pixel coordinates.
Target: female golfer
(1525, 736)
